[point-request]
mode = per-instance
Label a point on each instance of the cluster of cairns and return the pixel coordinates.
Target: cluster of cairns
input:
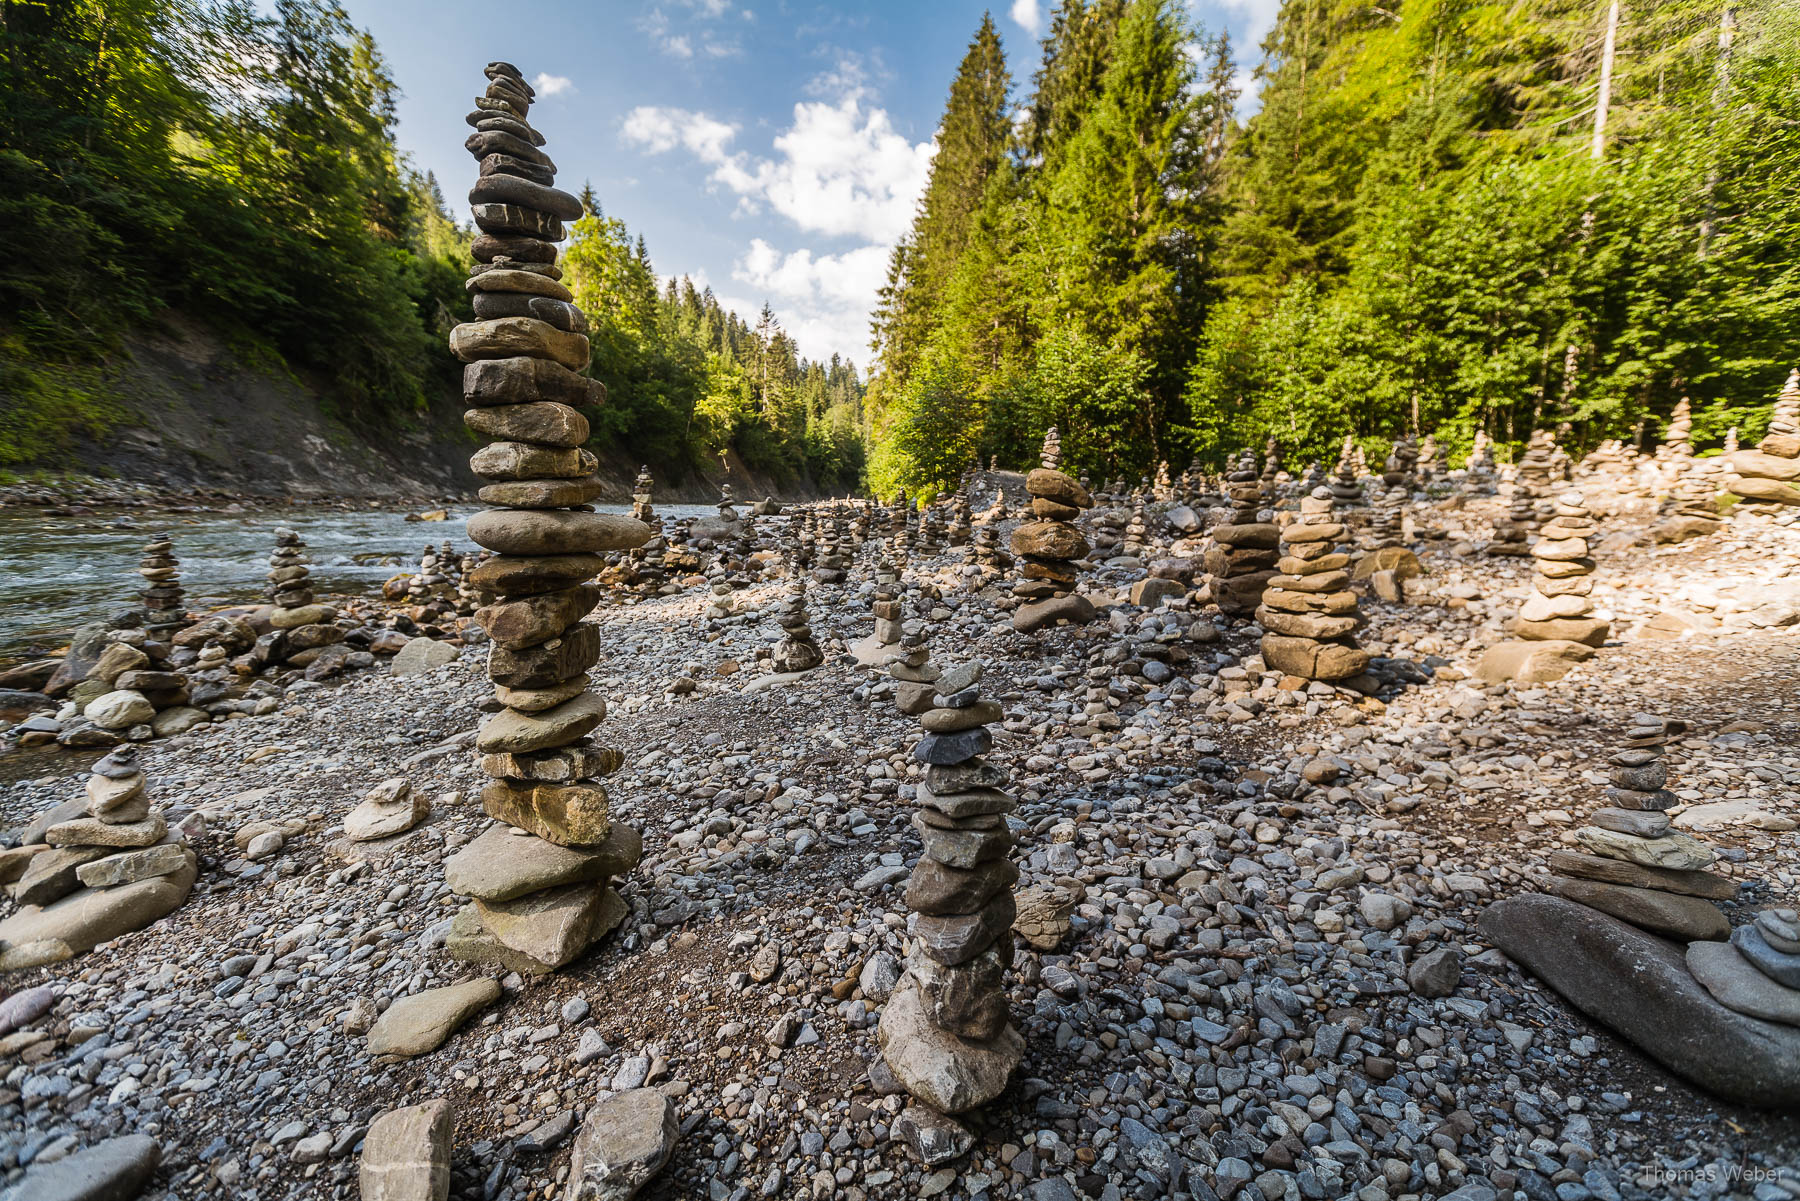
(92, 870)
(1309, 612)
(1049, 545)
(539, 882)
(945, 1033)
(1770, 474)
(164, 608)
(1242, 561)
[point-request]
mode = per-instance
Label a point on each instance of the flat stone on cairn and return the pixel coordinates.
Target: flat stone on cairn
(164, 610)
(945, 1033)
(1308, 612)
(521, 382)
(108, 873)
(1770, 474)
(1242, 561)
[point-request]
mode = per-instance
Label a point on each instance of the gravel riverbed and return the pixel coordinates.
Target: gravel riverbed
(1263, 882)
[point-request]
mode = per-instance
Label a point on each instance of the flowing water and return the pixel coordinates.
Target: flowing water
(58, 572)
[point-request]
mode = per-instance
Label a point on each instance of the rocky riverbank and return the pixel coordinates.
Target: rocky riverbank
(1263, 977)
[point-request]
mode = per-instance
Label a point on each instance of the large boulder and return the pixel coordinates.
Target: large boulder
(1640, 986)
(406, 1154)
(949, 1073)
(421, 655)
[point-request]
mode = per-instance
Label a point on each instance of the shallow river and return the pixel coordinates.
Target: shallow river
(57, 572)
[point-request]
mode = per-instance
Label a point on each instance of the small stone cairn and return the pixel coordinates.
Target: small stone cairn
(796, 652)
(1770, 474)
(1243, 560)
(945, 1033)
(1137, 530)
(164, 608)
(1309, 612)
(1478, 471)
(109, 873)
(539, 896)
(1561, 604)
(1631, 863)
(1346, 489)
(832, 564)
(1691, 509)
(1049, 545)
(910, 667)
(960, 528)
(887, 606)
(309, 627)
(1535, 465)
(1512, 532)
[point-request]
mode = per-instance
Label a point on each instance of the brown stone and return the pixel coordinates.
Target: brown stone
(548, 663)
(519, 575)
(1256, 536)
(522, 380)
(1054, 485)
(1313, 660)
(1589, 631)
(523, 461)
(534, 619)
(570, 815)
(512, 732)
(1049, 540)
(545, 422)
(542, 494)
(967, 999)
(513, 337)
(1671, 915)
(936, 888)
(956, 938)
(555, 531)
(1305, 625)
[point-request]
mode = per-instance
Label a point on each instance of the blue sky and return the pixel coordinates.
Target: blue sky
(772, 149)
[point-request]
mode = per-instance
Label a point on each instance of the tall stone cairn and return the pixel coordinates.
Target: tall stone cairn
(1243, 559)
(887, 606)
(961, 517)
(164, 607)
(1478, 471)
(945, 1033)
(1430, 462)
(1630, 862)
(1692, 498)
(307, 627)
(1534, 468)
(1308, 612)
(1770, 474)
(537, 902)
(1048, 546)
(1162, 488)
(1561, 604)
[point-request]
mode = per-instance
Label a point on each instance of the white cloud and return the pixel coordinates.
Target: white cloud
(657, 23)
(548, 85)
(1027, 15)
(839, 170)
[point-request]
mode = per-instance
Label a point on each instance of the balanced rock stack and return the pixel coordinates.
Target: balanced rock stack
(308, 626)
(111, 872)
(1691, 509)
(796, 651)
(945, 1032)
(910, 668)
(1535, 465)
(1137, 530)
(831, 562)
(1049, 545)
(1308, 612)
(1632, 864)
(1512, 532)
(1478, 470)
(960, 529)
(540, 896)
(1389, 525)
(1243, 561)
(1561, 604)
(887, 602)
(1345, 488)
(1771, 472)
(164, 610)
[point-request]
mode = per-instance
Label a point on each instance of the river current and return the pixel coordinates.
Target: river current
(58, 572)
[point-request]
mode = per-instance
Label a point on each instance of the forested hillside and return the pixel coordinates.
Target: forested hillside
(234, 167)
(1445, 215)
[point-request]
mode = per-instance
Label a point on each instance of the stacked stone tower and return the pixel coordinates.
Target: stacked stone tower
(1244, 558)
(1308, 612)
(1771, 472)
(1049, 545)
(1561, 603)
(946, 1033)
(538, 901)
(164, 608)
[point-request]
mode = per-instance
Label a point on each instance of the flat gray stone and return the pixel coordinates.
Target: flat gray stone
(114, 1170)
(1736, 984)
(406, 1154)
(421, 655)
(1640, 986)
(421, 1022)
(1669, 914)
(501, 864)
(92, 916)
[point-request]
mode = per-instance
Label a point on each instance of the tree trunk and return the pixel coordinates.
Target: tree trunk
(1598, 150)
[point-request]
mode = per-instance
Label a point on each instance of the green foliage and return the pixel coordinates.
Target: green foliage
(688, 382)
(1420, 236)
